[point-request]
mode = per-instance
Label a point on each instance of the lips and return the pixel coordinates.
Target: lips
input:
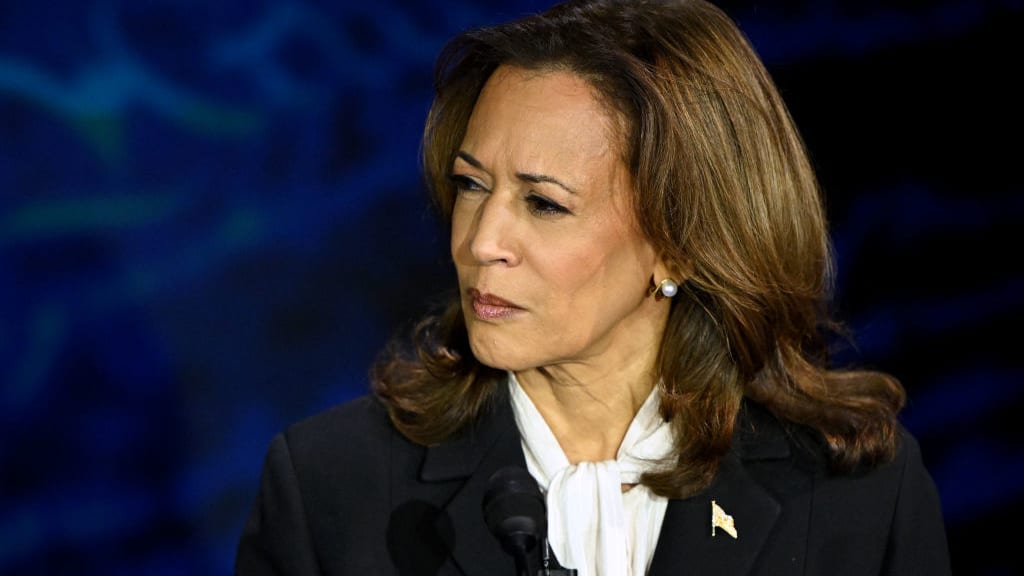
(491, 307)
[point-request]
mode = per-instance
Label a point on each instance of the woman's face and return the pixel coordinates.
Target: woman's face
(552, 269)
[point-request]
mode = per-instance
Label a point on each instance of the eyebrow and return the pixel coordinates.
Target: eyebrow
(524, 176)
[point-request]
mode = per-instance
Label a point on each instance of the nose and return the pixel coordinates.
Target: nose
(491, 236)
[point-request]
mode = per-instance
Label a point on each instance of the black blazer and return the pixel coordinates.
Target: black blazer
(343, 493)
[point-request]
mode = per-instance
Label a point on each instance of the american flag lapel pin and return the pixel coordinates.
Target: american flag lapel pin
(719, 519)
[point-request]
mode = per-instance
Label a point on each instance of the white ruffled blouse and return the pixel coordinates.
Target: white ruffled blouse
(593, 526)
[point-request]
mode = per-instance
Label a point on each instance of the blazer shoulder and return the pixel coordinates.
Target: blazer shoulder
(883, 519)
(361, 412)
(761, 434)
(325, 494)
(359, 426)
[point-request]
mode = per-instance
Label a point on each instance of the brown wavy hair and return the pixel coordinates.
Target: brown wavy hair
(723, 187)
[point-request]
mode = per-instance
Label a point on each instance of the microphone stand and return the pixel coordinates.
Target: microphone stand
(550, 566)
(514, 511)
(519, 546)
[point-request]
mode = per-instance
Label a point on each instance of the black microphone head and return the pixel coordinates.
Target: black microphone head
(514, 509)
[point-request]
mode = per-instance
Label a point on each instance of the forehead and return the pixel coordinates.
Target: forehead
(543, 109)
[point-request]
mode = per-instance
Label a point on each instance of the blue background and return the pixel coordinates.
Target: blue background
(211, 219)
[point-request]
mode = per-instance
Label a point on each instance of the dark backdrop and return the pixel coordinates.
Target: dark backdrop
(211, 219)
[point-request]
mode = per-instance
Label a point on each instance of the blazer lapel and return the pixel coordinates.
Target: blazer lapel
(686, 537)
(475, 455)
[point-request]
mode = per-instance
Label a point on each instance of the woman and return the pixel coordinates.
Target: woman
(643, 270)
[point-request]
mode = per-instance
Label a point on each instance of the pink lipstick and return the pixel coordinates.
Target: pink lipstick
(491, 307)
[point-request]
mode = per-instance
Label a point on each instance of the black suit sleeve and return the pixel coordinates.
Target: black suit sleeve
(276, 538)
(917, 540)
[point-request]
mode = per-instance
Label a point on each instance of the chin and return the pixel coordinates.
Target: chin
(498, 362)
(489, 356)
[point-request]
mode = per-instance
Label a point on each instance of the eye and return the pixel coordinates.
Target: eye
(541, 206)
(464, 184)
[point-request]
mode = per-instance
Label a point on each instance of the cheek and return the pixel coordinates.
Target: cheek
(607, 265)
(572, 277)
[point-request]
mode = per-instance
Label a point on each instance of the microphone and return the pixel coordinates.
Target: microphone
(515, 513)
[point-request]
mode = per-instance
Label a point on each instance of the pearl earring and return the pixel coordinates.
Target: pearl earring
(666, 289)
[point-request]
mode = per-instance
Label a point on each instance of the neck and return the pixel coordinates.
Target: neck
(589, 409)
